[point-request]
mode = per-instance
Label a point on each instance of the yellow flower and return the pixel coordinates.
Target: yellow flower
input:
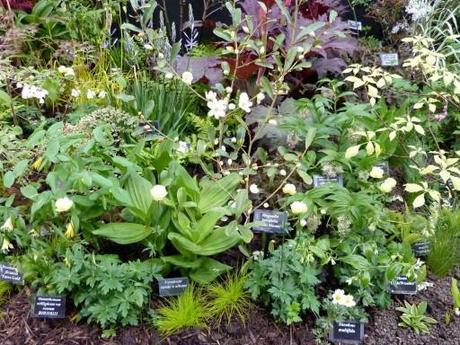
(69, 233)
(36, 165)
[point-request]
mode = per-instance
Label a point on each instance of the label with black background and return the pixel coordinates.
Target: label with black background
(403, 286)
(172, 286)
(49, 307)
(319, 180)
(347, 332)
(421, 248)
(274, 222)
(11, 274)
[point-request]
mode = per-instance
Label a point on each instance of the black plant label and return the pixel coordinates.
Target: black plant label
(403, 286)
(421, 248)
(172, 286)
(355, 25)
(319, 180)
(11, 274)
(273, 222)
(49, 307)
(347, 332)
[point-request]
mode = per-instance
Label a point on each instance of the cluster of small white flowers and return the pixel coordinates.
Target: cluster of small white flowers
(419, 9)
(32, 91)
(339, 297)
(67, 71)
(331, 170)
(217, 107)
(401, 26)
(343, 225)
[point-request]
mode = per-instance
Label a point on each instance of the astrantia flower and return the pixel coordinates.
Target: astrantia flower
(376, 172)
(63, 204)
(298, 207)
(289, 188)
(8, 225)
(244, 102)
(388, 185)
(254, 189)
(158, 192)
(187, 78)
(70, 232)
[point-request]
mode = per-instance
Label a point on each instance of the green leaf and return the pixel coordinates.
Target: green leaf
(208, 271)
(216, 194)
(8, 179)
(139, 193)
(124, 233)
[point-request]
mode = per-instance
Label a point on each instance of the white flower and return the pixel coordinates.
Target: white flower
(217, 108)
(228, 89)
(6, 245)
(75, 93)
(388, 185)
(229, 161)
(67, 71)
(244, 102)
(338, 296)
(187, 78)
(266, 205)
(63, 204)
(457, 311)
(283, 172)
(254, 189)
(273, 122)
(102, 94)
(419, 9)
(260, 97)
(376, 172)
(8, 225)
(90, 94)
(289, 188)
(303, 222)
(32, 91)
(348, 301)
(231, 106)
(298, 207)
(158, 192)
(148, 46)
(182, 147)
(169, 75)
(233, 140)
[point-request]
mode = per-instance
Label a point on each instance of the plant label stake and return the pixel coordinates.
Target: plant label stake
(49, 307)
(391, 59)
(172, 286)
(347, 332)
(147, 128)
(11, 274)
(421, 248)
(355, 25)
(319, 180)
(273, 222)
(403, 286)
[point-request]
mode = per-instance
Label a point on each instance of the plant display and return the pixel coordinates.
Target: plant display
(413, 316)
(225, 166)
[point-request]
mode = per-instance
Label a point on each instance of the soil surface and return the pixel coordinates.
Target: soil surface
(17, 327)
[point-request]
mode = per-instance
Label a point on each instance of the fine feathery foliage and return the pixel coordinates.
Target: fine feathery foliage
(229, 298)
(185, 311)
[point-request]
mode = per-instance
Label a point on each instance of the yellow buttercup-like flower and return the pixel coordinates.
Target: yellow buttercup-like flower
(70, 232)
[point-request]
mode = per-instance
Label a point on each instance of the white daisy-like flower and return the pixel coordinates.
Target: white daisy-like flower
(244, 102)
(254, 189)
(187, 77)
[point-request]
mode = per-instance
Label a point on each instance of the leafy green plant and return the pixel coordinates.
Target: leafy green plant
(455, 296)
(5, 289)
(106, 290)
(185, 311)
(229, 298)
(285, 283)
(414, 317)
(445, 243)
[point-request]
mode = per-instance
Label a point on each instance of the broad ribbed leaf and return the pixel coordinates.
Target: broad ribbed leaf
(124, 233)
